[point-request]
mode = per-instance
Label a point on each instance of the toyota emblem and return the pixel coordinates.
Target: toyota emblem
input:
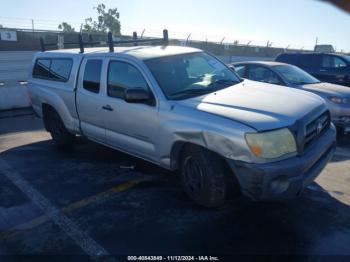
(319, 127)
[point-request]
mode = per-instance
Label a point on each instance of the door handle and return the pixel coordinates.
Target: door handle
(323, 70)
(108, 108)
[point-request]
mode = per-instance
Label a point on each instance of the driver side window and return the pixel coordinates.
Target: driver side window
(263, 74)
(330, 61)
(121, 76)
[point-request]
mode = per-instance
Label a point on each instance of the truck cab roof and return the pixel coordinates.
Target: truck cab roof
(139, 52)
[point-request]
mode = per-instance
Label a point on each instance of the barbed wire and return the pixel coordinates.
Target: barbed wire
(48, 24)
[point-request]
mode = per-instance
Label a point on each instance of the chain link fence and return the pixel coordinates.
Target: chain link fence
(27, 40)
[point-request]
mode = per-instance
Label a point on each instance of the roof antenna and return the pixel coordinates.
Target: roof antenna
(165, 37)
(134, 37)
(110, 42)
(81, 44)
(42, 45)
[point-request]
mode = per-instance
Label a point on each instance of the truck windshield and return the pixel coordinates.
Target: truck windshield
(295, 75)
(186, 75)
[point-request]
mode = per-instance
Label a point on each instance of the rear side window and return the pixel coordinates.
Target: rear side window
(121, 76)
(310, 60)
(55, 69)
(287, 58)
(60, 69)
(92, 75)
(42, 68)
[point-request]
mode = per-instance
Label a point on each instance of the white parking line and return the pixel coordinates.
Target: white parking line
(86, 243)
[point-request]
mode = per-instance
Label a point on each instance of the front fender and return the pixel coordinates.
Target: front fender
(227, 142)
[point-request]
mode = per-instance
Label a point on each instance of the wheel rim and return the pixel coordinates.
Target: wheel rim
(193, 177)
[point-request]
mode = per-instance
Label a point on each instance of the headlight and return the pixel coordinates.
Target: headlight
(336, 99)
(271, 144)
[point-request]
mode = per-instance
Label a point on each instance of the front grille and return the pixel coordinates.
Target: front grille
(316, 128)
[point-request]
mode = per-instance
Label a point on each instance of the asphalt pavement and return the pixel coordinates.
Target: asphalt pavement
(95, 203)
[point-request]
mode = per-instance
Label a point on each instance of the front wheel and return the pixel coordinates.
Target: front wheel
(203, 176)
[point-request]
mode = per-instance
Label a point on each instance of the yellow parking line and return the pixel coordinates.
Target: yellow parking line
(21, 228)
(93, 199)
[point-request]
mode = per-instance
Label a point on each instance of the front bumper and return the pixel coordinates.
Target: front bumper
(286, 178)
(340, 115)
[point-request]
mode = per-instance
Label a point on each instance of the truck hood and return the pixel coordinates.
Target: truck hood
(259, 105)
(327, 89)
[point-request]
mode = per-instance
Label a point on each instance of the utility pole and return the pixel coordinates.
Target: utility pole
(32, 25)
(143, 31)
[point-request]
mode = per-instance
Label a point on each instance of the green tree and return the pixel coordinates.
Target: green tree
(1, 26)
(107, 21)
(90, 26)
(65, 27)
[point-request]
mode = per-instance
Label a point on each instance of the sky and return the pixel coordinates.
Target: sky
(294, 23)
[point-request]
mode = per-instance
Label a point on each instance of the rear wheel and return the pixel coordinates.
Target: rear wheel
(58, 131)
(203, 176)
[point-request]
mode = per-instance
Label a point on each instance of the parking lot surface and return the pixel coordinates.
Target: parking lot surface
(92, 201)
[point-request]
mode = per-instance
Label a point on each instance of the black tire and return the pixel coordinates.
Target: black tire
(203, 176)
(58, 131)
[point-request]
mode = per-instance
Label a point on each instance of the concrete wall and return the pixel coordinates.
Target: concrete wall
(14, 68)
(233, 59)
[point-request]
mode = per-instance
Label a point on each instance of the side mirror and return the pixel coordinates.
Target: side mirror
(136, 95)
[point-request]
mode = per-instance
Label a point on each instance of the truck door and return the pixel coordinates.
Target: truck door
(131, 127)
(333, 69)
(90, 100)
(311, 63)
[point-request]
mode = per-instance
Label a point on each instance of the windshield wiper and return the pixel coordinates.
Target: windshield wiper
(308, 83)
(204, 90)
(225, 81)
(193, 91)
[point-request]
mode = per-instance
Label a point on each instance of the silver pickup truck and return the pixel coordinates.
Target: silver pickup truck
(183, 109)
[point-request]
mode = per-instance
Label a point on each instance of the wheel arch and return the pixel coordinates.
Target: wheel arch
(46, 110)
(179, 146)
